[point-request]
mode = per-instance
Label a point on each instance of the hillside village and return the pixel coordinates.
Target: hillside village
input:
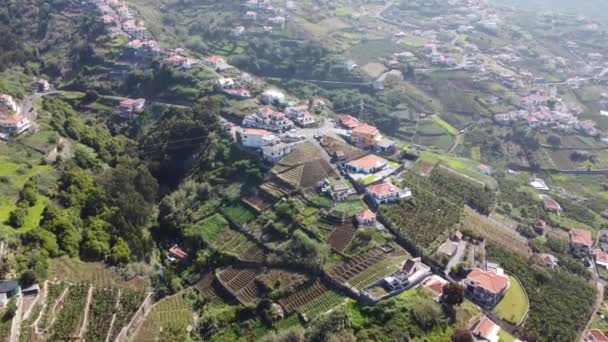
(400, 222)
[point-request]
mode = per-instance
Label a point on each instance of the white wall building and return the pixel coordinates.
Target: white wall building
(256, 138)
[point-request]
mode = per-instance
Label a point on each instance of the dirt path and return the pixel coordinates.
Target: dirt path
(85, 320)
(16, 323)
(596, 306)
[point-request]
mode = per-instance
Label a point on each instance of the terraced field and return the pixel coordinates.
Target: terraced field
(129, 303)
(173, 311)
(241, 284)
(68, 320)
(341, 236)
(101, 311)
(301, 300)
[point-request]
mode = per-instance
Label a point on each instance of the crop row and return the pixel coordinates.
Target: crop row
(54, 291)
(341, 237)
(378, 271)
(27, 326)
(349, 269)
(130, 300)
(101, 310)
(293, 302)
(71, 314)
(321, 304)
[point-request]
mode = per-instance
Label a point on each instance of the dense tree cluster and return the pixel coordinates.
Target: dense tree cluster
(560, 303)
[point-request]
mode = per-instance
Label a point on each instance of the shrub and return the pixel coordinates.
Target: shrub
(17, 218)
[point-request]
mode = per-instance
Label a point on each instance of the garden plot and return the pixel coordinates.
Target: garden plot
(311, 301)
(241, 284)
(207, 287)
(365, 269)
(341, 236)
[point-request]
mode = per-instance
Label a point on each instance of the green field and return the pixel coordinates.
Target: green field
(514, 305)
(446, 125)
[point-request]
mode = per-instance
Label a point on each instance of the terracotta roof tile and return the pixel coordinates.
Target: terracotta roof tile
(489, 281)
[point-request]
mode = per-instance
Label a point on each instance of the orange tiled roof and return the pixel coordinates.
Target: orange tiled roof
(255, 131)
(489, 281)
(581, 236)
(484, 328)
(366, 215)
(368, 162)
(382, 189)
(596, 335)
(366, 129)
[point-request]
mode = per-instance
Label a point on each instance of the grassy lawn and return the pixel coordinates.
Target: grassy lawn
(513, 307)
(466, 166)
(505, 336)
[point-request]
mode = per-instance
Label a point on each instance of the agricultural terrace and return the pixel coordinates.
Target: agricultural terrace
(54, 292)
(129, 302)
(207, 229)
(6, 321)
(96, 273)
(241, 284)
(426, 220)
(473, 192)
(70, 317)
(238, 213)
(494, 231)
(514, 305)
(445, 125)
(465, 166)
(101, 311)
(214, 232)
(27, 325)
(365, 269)
(173, 311)
(311, 301)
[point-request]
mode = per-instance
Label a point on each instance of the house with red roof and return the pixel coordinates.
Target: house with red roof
(365, 135)
(385, 192)
(601, 258)
(434, 284)
(348, 122)
(176, 253)
(14, 124)
(486, 287)
(594, 335)
(130, 108)
(486, 330)
(581, 240)
(216, 62)
(368, 164)
(552, 205)
(366, 218)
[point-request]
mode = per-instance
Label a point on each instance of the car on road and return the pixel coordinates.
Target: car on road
(317, 136)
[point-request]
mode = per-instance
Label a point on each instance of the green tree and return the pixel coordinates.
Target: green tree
(453, 294)
(17, 217)
(120, 253)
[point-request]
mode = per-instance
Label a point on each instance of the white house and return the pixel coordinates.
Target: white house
(272, 96)
(129, 108)
(15, 124)
(256, 138)
(300, 115)
(267, 118)
(385, 192)
(368, 164)
(274, 153)
(8, 102)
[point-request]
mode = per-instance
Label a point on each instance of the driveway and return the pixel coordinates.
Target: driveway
(460, 249)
